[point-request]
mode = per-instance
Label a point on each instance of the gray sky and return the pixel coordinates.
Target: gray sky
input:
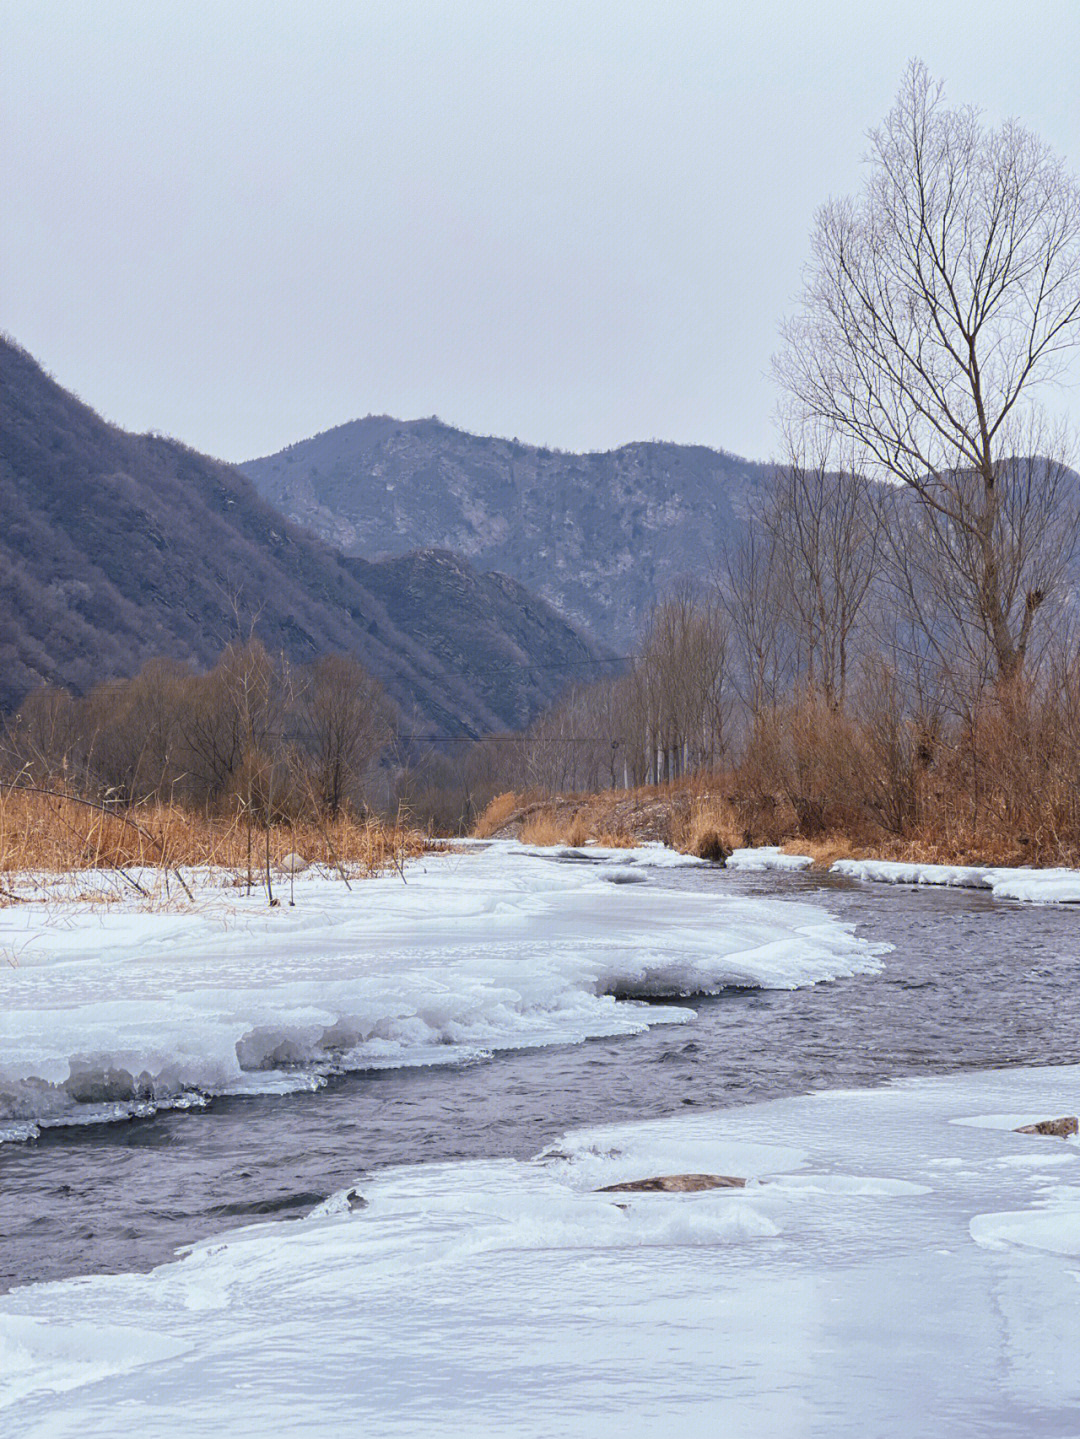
(243, 221)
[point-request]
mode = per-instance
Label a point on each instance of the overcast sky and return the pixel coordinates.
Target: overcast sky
(243, 221)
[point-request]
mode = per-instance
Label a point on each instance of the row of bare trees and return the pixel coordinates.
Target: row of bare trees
(253, 733)
(665, 718)
(839, 589)
(896, 632)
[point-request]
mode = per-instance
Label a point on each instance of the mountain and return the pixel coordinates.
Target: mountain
(438, 598)
(117, 547)
(599, 536)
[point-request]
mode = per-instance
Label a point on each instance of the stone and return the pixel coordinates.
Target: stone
(293, 864)
(675, 1184)
(1059, 1128)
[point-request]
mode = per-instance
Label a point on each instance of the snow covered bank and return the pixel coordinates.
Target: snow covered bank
(899, 1264)
(112, 1009)
(1037, 886)
(767, 856)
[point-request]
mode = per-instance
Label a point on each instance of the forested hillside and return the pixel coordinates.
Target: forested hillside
(118, 547)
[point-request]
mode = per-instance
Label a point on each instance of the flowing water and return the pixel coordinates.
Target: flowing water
(971, 983)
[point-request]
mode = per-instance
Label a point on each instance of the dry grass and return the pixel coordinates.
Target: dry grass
(546, 826)
(553, 825)
(496, 814)
(609, 840)
(709, 829)
(711, 819)
(825, 850)
(683, 815)
(59, 834)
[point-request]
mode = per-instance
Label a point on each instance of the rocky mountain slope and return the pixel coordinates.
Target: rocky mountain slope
(118, 547)
(599, 536)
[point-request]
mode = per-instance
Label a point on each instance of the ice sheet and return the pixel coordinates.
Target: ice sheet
(113, 1007)
(767, 856)
(884, 1273)
(1036, 886)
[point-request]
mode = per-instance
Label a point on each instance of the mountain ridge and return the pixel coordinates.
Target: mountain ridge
(117, 547)
(601, 536)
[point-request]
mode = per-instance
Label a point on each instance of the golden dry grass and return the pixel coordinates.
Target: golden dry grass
(825, 850)
(548, 826)
(59, 834)
(495, 815)
(680, 814)
(696, 817)
(709, 828)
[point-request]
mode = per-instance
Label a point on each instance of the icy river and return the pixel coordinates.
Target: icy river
(970, 983)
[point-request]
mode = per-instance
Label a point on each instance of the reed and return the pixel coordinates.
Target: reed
(53, 832)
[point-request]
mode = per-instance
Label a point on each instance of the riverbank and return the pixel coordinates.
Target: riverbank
(699, 817)
(116, 1197)
(46, 830)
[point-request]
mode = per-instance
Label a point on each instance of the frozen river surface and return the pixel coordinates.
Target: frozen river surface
(970, 983)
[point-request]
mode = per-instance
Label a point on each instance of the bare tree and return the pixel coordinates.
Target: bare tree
(938, 304)
(825, 555)
(228, 719)
(682, 675)
(345, 722)
(41, 738)
(750, 590)
(937, 568)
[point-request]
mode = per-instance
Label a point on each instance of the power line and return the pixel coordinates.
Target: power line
(507, 739)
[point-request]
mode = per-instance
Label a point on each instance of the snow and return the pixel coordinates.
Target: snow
(1036, 886)
(650, 856)
(767, 856)
(115, 1007)
(883, 1273)
(1057, 1231)
(895, 872)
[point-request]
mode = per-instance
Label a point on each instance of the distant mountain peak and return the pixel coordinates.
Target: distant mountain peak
(601, 536)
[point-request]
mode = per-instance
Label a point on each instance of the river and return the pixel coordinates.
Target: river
(971, 982)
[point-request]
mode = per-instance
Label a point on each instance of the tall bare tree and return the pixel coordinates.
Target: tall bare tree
(750, 589)
(825, 548)
(682, 673)
(345, 722)
(938, 305)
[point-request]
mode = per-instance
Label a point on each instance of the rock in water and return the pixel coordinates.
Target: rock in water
(675, 1184)
(1060, 1128)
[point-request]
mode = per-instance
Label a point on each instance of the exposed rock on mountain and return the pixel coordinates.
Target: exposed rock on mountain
(117, 547)
(599, 536)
